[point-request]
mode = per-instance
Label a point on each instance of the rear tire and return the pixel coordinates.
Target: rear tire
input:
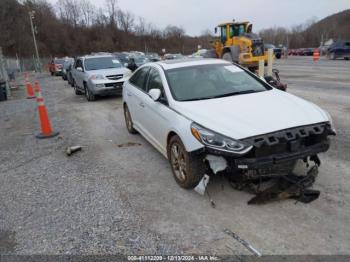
(128, 120)
(77, 92)
(188, 169)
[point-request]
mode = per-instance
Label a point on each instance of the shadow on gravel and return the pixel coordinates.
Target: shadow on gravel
(7, 241)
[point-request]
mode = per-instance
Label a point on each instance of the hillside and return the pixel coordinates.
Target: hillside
(333, 26)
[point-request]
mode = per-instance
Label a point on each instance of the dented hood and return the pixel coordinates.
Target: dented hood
(247, 115)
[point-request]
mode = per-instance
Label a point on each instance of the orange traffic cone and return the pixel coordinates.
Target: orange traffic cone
(46, 130)
(30, 92)
(316, 55)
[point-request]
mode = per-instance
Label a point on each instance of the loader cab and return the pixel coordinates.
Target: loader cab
(230, 30)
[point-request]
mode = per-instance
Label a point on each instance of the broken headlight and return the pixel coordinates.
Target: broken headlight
(219, 142)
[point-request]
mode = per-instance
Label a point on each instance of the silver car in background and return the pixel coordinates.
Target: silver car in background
(99, 75)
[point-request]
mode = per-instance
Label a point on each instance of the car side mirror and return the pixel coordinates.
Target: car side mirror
(126, 64)
(155, 94)
(80, 69)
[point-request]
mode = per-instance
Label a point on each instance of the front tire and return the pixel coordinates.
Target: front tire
(128, 121)
(89, 95)
(187, 169)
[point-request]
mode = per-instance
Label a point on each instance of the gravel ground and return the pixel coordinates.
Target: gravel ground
(110, 199)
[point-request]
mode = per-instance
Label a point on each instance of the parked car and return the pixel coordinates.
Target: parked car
(173, 56)
(339, 49)
(292, 51)
(56, 66)
(276, 50)
(141, 60)
(153, 57)
(98, 76)
(308, 51)
(67, 65)
(300, 51)
(122, 57)
(198, 111)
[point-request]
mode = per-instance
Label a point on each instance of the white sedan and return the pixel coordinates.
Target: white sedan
(209, 115)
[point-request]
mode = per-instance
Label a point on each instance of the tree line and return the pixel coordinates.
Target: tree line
(77, 27)
(312, 33)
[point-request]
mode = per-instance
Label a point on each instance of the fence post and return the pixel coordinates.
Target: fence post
(3, 73)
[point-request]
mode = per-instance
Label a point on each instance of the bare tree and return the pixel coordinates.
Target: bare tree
(112, 9)
(140, 27)
(126, 21)
(69, 11)
(87, 10)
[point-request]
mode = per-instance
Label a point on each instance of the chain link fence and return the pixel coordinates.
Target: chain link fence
(12, 67)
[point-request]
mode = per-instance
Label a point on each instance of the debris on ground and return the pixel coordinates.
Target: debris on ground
(201, 189)
(202, 185)
(73, 149)
(243, 242)
(129, 144)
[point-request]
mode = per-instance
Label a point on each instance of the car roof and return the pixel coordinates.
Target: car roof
(186, 62)
(96, 56)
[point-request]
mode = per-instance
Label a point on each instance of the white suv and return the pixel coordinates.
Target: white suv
(98, 75)
(210, 114)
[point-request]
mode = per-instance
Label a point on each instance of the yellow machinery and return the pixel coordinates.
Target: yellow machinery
(238, 44)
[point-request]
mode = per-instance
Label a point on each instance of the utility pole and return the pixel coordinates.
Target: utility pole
(31, 17)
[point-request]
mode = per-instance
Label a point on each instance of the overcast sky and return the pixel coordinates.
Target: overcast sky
(197, 15)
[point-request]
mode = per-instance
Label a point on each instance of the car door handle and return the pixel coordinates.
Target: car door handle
(129, 94)
(142, 104)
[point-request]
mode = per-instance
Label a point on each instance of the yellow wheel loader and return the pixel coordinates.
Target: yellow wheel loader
(238, 44)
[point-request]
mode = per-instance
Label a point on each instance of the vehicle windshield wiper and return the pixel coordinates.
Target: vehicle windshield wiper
(238, 93)
(224, 95)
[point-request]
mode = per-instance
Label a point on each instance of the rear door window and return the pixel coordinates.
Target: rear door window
(139, 78)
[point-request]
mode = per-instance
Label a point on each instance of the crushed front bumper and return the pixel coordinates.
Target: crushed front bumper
(277, 152)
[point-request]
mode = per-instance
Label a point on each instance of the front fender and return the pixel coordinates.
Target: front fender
(182, 127)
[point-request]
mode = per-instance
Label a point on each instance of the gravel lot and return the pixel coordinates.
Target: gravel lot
(112, 199)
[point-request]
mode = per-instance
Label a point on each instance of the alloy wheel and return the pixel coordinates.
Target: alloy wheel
(178, 161)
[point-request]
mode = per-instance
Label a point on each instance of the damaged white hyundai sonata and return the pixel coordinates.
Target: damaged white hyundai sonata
(209, 115)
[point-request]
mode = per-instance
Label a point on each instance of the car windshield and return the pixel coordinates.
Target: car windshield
(59, 61)
(67, 63)
(211, 81)
(101, 63)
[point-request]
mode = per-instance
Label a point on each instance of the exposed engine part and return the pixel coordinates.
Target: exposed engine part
(282, 186)
(290, 186)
